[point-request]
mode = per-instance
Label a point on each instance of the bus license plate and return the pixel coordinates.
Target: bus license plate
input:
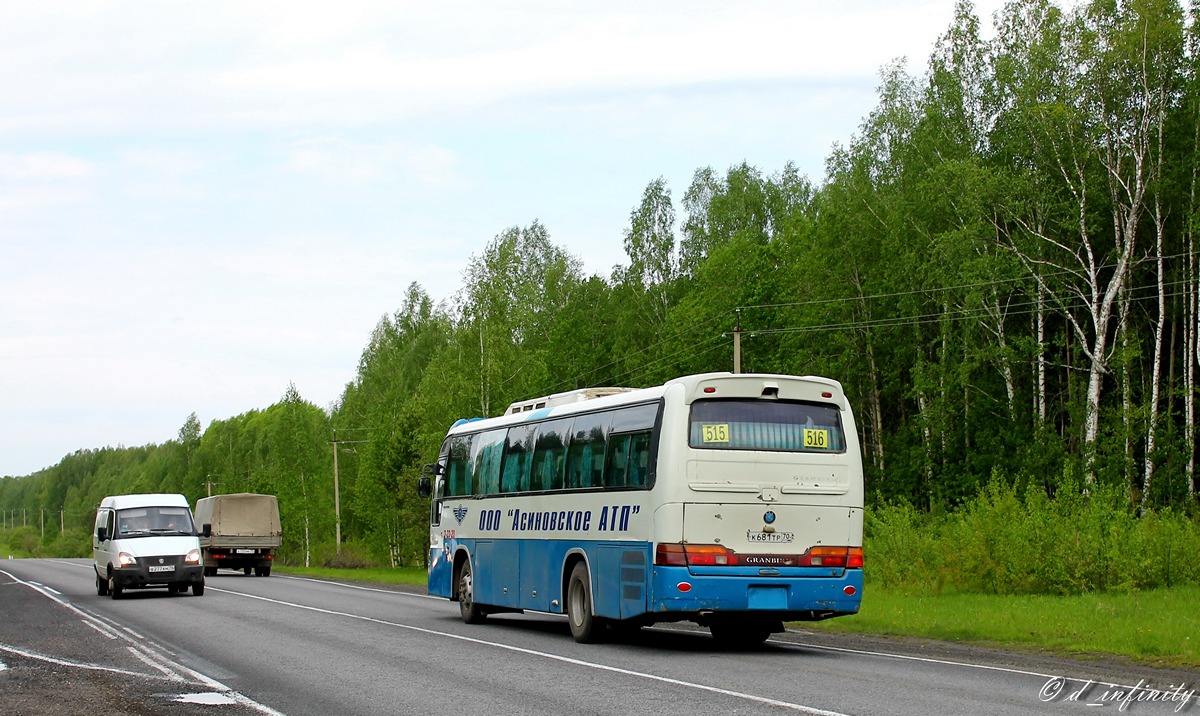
(163, 568)
(773, 537)
(245, 551)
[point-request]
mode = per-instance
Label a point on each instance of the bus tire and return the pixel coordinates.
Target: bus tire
(472, 613)
(586, 628)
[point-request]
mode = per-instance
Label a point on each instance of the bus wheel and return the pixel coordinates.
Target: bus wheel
(585, 627)
(471, 612)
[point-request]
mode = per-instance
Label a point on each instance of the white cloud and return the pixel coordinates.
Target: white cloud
(43, 166)
(202, 202)
(339, 160)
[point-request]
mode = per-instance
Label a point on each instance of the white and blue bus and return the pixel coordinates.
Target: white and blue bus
(734, 501)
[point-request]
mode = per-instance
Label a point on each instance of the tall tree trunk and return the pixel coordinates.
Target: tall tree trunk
(1127, 464)
(876, 410)
(1041, 357)
(1152, 418)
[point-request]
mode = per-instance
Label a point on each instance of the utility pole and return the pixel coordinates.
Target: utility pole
(337, 493)
(737, 342)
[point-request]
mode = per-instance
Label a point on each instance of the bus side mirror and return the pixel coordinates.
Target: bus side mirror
(424, 487)
(101, 534)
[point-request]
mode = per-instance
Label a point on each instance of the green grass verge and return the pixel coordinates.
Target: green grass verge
(412, 576)
(9, 550)
(1158, 627)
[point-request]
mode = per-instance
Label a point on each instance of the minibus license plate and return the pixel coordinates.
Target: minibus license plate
(773, 537)
(163, 568)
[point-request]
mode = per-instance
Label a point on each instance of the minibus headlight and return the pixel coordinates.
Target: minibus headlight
(192, 557)
(125, 559)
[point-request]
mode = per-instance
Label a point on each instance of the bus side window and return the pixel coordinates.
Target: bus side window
(458, 468)
(616, 471)
(639, 463)
(514, 470)
(548, 457)
(585, 455)
(486, 450)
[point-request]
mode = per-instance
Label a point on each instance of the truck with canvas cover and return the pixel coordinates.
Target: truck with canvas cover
(240, 531)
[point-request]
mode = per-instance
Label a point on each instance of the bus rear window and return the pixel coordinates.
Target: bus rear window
(765, 425)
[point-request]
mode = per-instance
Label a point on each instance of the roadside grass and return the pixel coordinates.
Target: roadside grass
(8, 549)
(1159, 627)
(411, 576)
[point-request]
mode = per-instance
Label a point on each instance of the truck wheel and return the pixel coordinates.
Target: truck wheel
(471, 612)
(198, 588)
(246, 571)
(101, 586)
(210, 571)
(262, 571)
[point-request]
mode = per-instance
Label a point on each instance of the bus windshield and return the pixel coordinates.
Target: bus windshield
(782, 426)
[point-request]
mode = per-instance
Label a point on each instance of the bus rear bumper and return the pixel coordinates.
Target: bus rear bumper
(679, 594)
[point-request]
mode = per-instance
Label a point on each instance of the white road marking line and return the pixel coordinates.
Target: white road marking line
(77, 664)
(137, 653)
(555, 657)
(42, 586)
(863, 652)
(925, 659)
(100, 628)
(146, 652)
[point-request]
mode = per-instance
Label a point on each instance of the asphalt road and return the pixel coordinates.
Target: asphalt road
(295, 646)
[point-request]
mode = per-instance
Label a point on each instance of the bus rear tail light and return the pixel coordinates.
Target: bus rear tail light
(696, 555)
(708, 555)
(670, 555)
(715, 555)
(845, 557)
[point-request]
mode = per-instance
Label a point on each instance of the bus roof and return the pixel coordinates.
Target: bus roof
(701, 385)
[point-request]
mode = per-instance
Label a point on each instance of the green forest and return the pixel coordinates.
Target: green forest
(1000, 265)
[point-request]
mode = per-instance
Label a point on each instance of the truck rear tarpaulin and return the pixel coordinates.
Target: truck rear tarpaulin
(244, 532)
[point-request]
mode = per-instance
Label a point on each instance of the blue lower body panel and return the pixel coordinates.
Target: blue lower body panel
(676, 590)
(532, 574)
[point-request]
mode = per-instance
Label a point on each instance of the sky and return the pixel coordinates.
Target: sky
(202, 203)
